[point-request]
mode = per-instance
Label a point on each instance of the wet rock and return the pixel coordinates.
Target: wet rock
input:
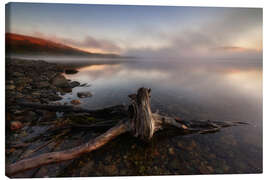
(206, 169)
(84, 84)
(84, 94)
(15, 125)
(10, 82)
(111, 170)
(75, 102)
(65, 90)
(174, 164)
(60, 81)
(9, 117)
(192, 146)
(71, 71)
(48, 115)
(74, 84)
(36, 94)
(54, 97)
(18, 74)
(85, 169)
(10, 87)
(171, 151)
(30, 116)
(43, 84)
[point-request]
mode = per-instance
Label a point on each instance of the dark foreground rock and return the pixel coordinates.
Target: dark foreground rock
(84, 94)
(71, 71)
(74, 84)
(32, 81)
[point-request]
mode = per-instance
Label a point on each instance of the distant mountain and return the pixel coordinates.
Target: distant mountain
(17, 44)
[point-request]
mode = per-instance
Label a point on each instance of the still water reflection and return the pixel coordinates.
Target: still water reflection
(223, 91)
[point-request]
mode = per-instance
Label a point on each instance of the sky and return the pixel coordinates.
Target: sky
(144, 31)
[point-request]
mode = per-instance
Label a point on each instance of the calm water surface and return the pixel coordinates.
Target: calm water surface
(220, 91)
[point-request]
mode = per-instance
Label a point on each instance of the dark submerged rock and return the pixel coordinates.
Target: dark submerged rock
(84, 94)
(71, 71)
(74, 84)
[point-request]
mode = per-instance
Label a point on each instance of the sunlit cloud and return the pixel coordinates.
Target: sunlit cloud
(88, 43)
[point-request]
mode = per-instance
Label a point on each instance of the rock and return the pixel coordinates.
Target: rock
(10, 87)
(54, 97)
(60, 81)
(9, 117)
(43, 84)
(66, 90)
(48, 115)
(171, 151)
(206, 169)
(84, 84)
(74, 84)
(15, 125)
(17, 74)
(36, 94)
(174, 164)
(85, 169)
(25, 116)
(71, 71)
(111, 169)
(30, 116)
(84, 94)
(75, 102)
(184, 126)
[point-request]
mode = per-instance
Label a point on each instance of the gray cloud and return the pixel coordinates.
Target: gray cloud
(208, 39)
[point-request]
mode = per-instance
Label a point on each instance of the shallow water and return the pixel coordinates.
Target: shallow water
(220, 91)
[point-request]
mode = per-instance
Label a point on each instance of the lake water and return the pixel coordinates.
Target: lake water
(220, 91)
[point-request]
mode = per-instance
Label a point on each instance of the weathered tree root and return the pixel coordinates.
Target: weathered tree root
(142, 123)
(65, 155)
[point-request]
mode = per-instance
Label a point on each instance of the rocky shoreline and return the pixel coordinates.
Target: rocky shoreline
(33, 81)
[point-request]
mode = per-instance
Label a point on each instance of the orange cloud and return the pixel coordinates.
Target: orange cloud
(234, 49)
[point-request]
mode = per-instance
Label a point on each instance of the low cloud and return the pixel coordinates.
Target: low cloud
(220, 37)
(87, 43)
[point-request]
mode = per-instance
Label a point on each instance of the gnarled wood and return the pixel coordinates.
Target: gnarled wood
(60, 156)
(142, 123)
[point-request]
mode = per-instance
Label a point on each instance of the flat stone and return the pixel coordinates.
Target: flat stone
(74, 84)
(75, 102)
(60, 81)
(84, 94)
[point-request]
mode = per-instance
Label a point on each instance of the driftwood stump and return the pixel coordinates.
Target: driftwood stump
(141, 122)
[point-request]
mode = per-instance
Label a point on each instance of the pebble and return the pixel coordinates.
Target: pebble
(171, 151)
(15, 125)
(10, 87)
(75, 102)
(84, 94)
